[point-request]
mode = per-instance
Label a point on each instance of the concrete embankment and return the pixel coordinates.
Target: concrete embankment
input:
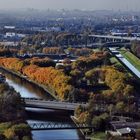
(74, 119)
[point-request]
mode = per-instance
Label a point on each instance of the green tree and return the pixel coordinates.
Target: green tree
(92, 76)
(100, 122)
(120, 107)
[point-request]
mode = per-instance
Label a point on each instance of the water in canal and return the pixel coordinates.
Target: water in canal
(27, 89)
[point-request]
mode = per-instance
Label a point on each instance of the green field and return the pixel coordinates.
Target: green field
(114, 61)
(117, 64)
(131, 58)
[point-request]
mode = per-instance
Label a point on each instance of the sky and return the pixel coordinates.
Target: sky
(72, 4)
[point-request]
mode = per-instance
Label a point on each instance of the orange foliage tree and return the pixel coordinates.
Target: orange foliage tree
(51, 77)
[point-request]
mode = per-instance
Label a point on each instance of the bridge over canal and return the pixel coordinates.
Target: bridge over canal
(47, 104)
(57, 126)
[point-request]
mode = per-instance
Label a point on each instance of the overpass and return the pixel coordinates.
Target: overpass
(114, 44)
(113, 38)
(46, 104)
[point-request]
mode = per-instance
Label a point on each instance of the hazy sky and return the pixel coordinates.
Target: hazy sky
(72, 4)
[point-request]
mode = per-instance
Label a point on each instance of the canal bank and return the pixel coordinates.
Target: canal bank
(45, 88)
(27, 89)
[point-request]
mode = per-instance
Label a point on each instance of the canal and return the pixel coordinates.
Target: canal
(27, 89)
